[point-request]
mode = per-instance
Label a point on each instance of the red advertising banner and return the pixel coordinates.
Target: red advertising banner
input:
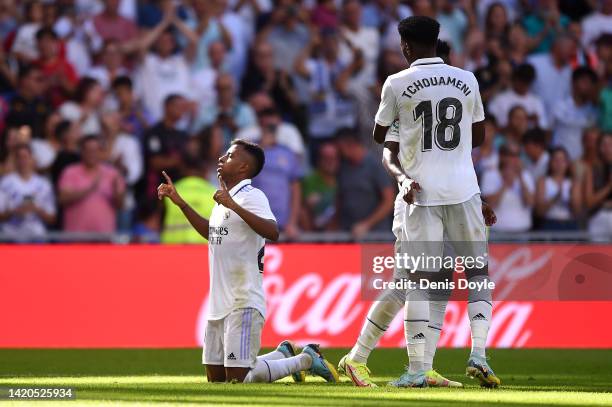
(155, 296)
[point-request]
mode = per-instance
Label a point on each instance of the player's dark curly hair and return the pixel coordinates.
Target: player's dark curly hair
(419, 30)
(254, 151)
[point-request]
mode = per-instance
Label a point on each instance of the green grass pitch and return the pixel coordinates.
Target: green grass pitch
(146, 377)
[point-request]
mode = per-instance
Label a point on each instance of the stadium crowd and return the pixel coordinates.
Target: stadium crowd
(98, 97)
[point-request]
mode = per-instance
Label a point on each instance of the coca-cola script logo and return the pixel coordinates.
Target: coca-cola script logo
(325, 305)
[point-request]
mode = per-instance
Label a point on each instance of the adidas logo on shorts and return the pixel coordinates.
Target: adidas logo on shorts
(231, 356)
(479, 317)
(419, 336)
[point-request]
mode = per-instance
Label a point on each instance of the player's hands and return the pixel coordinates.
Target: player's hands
(168, 190)
(489, 214)
(223, 197)
(411, 191)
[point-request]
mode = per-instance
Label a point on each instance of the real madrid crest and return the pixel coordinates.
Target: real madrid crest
(226, 214)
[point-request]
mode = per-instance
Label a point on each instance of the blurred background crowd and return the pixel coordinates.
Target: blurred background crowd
(99, 96)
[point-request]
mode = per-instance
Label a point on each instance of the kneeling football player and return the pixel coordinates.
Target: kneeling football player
(240, 222)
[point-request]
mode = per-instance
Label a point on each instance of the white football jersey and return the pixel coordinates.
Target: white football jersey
(436, 105)
(235, 254)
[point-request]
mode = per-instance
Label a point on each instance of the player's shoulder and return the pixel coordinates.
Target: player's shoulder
(249, 192)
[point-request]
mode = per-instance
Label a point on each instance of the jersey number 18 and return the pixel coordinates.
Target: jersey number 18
(425, 110)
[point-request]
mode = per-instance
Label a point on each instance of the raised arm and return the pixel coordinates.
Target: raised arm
(266, 228)
(167, 190)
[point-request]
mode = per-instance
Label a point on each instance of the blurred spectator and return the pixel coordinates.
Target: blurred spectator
(598, 192)
(605, 97)
(111, 65)
(209, 29)
(42, 152)
(325, 14)
(572, 115)
(268, 117)
(553, 72)
(319, 190)
(195, 189)
(60, 76)
(454, 21)
(475, 51)
(165, 71)
(67, 134)
(91, 192)
(287, 32)
(496, 20)
(263, 76)
(85, 109)
(522, 78)
(280, 181)
(27, 105)
(537, 158)
(229, 112)
(8, 18)
(27, 203)
(519, 44)
(599, 22)
(329, 108)
(558, 194)
(110, 25)
(510, 191)
(134, 118)
(203, 81)
(590, 152)
(365, 191)
(359, 46)
(148, 223)
(485, 157)
(518, 124)
(123, 152)
(544, 23)
(211, 146)
(24, 44)
(163, 145)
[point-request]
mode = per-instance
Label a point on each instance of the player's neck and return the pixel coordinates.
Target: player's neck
(421, 55)
(231, 183)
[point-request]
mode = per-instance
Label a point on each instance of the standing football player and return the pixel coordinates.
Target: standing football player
(441, 118)
(240, 222)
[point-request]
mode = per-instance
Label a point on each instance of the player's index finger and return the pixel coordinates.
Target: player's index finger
(167, 177)
(222, 183)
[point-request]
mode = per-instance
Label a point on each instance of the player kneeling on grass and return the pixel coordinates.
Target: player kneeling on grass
(238, 226)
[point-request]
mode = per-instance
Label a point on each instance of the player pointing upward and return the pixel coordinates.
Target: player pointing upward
(238, 226)
(440, 120)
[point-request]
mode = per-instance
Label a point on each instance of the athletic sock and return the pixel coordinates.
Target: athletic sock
(437, 308)
(379, 317)
(274, 355)
(416, 319)
(480, 310)
(272, 370)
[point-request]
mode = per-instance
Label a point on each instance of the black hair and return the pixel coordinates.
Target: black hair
(584, 72)
(171, 98)
(61, 129)
(26, 70)
(45, 32)
(553, 151)
(87, 138)
(254, 151)
(83, 87)
(535, 136)
(123, 80)
(524, 73)
(443, 50)
(420, 30)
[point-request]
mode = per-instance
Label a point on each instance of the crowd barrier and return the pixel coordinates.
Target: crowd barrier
(82, 296)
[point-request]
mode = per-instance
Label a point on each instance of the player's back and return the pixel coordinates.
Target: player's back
(436, 105)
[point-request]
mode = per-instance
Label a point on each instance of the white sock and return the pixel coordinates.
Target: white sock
(416, 319)
(274, 355)
(437, 310)
(480, 309)
(379, 317)
(272, 370)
